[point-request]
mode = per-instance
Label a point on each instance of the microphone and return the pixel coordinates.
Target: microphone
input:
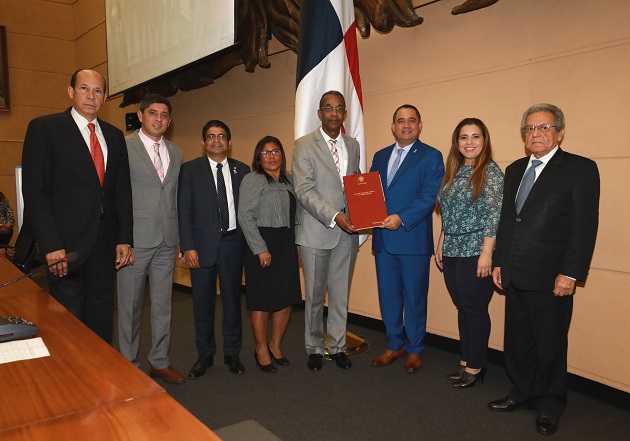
(70, 257)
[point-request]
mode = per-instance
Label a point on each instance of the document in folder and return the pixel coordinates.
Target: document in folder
(365, 200)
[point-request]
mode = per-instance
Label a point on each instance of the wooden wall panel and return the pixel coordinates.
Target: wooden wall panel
(38, 17)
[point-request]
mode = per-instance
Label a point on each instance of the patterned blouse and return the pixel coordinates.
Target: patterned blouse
(465, 224)
(6, 213)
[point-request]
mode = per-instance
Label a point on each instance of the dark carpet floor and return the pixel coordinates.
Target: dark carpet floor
(363, 403)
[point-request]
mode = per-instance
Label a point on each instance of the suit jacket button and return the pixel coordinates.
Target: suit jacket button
(518, 219)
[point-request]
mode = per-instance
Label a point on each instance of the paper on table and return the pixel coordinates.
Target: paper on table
(23, 350)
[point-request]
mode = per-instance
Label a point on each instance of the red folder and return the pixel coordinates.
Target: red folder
(365, 200)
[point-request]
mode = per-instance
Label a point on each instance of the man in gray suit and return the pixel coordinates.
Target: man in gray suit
(325, 234)
(154, 165)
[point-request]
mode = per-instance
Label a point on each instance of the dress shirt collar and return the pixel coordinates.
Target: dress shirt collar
(545, 159)
(148, 142)
(327, 138)
(82, 123)
(405, 148)
(213, 163)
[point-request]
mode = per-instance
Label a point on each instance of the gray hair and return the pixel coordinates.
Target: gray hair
(558, 115)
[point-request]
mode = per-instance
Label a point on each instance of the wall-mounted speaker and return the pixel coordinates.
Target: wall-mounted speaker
(132, 122)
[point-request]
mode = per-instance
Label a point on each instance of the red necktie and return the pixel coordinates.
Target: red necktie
(97, 154)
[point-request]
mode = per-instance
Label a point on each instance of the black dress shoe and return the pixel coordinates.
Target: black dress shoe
(468, 380)
(456, 375)
(546, 423)
(200, 366)
(265, 367)
(279, 361)
(234, 364)
(506, 404)
(342, 360)
(315, 362)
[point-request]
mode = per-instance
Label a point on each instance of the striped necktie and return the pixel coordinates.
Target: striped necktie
(335, 154)
(157, 161)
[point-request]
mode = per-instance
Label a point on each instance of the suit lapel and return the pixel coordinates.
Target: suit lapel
(138, 147)
(111, 153)
(349, 154)
(544, 180)
(235, 178)
(325, 151)
(171, 156)
(77, 143)
(208, 176)
(511, 192)
(383, 166)
(411, 157)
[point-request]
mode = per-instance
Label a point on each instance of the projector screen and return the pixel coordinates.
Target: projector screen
(149, 38)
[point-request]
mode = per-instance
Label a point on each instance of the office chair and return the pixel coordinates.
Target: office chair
(23, 252)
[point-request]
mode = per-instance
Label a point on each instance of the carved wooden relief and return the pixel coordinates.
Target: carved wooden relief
(259, 20)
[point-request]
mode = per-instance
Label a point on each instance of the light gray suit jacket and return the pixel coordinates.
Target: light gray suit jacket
(154, 202)
(319, 190)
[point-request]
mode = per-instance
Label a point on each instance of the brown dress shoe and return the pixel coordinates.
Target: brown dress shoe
(387, 357)
(414, 362)
(168, 374)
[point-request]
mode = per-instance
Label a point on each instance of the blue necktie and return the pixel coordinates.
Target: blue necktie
(395, 166)
(526, 185)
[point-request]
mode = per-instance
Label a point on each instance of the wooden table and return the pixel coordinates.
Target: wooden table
(85, 389)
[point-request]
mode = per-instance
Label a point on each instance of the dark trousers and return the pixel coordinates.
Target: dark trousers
(536, 341)
(471, 296)
(87, 291)
(229, 269)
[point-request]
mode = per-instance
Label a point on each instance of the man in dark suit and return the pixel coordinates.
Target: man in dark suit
(544, 244)
(154, 163)
(325, 234)
(411, 172)
(77, 197)
(213, 244)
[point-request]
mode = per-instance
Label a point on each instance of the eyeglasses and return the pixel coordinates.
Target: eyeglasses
(542, 128)
(274, 152)
(219, 136)
(328, 109)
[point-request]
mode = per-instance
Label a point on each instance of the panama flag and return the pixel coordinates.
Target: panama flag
(328, 60)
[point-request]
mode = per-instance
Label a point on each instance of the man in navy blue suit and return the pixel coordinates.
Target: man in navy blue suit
(411, 172)
(213, 244)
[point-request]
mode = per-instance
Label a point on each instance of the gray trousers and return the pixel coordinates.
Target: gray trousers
(330, 269)
(159, 263)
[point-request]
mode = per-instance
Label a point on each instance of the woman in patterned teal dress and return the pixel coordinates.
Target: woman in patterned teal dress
(469, 201)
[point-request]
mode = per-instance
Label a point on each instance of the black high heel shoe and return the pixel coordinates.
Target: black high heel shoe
(266, 367)
(468, 380)
(279, 361)
(454, 376)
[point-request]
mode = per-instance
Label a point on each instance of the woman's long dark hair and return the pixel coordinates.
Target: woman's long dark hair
(456, 159)
(258, 168)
